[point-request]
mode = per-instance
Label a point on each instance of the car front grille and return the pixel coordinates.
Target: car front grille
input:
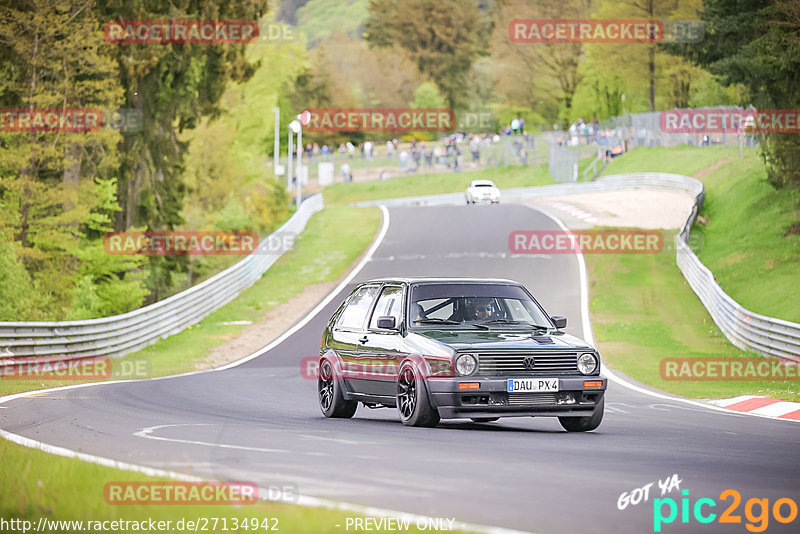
(544, 364)
(531, 399)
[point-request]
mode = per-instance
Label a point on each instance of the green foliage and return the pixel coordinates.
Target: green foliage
(427, 95)
(22, 298)
(318, 19)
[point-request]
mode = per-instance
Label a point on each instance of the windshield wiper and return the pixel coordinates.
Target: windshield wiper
(435, 320)
(510, 321)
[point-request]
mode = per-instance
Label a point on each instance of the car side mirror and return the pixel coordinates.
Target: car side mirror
(560, 322)
(386, 322)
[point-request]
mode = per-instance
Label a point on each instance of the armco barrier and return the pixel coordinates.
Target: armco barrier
(745, 329)
(122, 334)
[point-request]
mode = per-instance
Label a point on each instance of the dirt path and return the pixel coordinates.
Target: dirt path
(702, 173)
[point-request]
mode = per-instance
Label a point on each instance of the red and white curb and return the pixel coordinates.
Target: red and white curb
(572, 210)
(753, 404)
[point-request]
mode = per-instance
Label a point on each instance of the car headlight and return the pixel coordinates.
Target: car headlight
(587, 363)
(466, 364)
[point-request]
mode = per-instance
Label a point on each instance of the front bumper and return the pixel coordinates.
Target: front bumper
(492, 400)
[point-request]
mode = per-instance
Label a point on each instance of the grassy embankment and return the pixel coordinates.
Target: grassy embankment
(643, 310)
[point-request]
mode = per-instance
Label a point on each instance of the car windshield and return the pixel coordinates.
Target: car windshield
(464, 305)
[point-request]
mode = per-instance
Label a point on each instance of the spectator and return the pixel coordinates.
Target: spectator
(515, 125)
(428, 156)
(415, 157)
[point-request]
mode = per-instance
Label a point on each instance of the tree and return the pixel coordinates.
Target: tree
(53, 56)
(756, 43)
(174, 86)
(537, 75)
(443, 38)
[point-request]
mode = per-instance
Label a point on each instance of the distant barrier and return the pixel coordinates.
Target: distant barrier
(744, 328)
(121, 334)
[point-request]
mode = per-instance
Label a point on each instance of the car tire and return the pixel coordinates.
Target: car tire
(329, 393)
(413, 404)
(484, 419)
(584, 424)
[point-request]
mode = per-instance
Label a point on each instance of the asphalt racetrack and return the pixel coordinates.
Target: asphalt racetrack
(260, 421)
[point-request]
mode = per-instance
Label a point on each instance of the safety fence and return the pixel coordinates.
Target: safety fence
(744, 328)
(121, 334)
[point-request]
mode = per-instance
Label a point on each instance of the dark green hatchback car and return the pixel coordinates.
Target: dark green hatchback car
(456, 348)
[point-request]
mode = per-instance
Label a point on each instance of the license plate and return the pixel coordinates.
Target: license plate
(527, 385)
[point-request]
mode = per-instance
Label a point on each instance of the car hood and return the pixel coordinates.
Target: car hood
(504, 340)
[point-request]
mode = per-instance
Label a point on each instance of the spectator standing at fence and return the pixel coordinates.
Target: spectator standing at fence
(345, 171)
(389, 149)
(351, 149)
(515, 125)
(474, 145)
(368, 149)
(521, 125)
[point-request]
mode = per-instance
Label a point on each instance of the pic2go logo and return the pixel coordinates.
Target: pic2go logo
(783, 511)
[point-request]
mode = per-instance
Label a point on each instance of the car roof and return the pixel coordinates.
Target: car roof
(478, 182)
(443, 280)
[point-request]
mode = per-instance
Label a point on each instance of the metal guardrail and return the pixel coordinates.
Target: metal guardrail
(745, 329)
(121, 334)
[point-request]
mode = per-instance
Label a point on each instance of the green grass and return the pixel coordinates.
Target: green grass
(744, 243)
(36, 484)
(333, 239)
(643, 310)
(681, 159)
(435, 183)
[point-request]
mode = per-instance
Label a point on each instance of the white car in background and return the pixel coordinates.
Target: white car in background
(482, 191)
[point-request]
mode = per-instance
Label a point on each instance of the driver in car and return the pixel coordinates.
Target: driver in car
(483, 309)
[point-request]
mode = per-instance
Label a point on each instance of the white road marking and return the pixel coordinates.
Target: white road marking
(336, 440)
(147, 433)
(734, 400)
(778, 409)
